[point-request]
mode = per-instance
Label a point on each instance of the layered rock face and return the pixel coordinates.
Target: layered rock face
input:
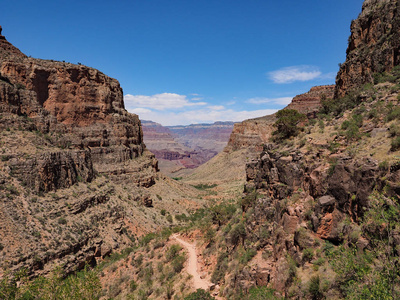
(309, 103)
(251, 134)
(374, 45)
(180, 147)
(213, 137)
(298, 201)
(68, 146)
(81, 105)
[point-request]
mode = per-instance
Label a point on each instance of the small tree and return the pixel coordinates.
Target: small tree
(287, 122)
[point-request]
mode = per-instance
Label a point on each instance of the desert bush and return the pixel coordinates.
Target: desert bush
(83, 285)
(237, 233)
(395, 144)
(173, 252)
(314, 288)
(287, 123)
(394, 114)
(308, 254)
(220, 268)
(247, 256)
(199, 294)
(261, 293)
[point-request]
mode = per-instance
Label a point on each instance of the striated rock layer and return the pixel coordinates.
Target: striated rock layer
(80, 105)
(374, 45)
(253, 133)
(309, 103)
(185, 147)
(74, 171)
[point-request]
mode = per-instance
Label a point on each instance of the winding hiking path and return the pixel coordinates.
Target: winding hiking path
(199, 283)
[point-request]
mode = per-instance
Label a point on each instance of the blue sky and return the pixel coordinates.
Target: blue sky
(192, 61)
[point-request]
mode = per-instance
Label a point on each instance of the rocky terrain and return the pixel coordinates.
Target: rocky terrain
(309, 211)
(374, 45)
(77, 181)
(179, 148)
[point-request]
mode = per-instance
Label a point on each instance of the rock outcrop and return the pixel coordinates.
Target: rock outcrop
(309, 103)
(374, 45)
(74, 170)
(81, 106)
(251, 134)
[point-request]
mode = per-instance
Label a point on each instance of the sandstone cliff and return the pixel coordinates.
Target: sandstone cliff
(76, 180)
(374, 45)
(81, 106)
(309, 103)
(253, 133)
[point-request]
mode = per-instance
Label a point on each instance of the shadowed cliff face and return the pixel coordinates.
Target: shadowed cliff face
(374, 45)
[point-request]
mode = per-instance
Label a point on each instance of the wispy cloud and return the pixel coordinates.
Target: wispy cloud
(294, 73)
(281, 101)
(162, 101)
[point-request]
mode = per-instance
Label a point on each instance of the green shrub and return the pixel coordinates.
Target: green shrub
(177, 263)
(308, 254)
(147, 239)
(313, 288)
(205, 186)
(220, 268)
(247, 256)
(393, 114)
(237, 233)
(200, 294)
(287, 123)
(261, 293)
(395, 144)
(394, 130)
(173, 252)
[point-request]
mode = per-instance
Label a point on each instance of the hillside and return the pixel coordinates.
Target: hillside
(77, 181)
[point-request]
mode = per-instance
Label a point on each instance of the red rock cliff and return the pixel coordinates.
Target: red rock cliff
(81, 104)
(374, 45)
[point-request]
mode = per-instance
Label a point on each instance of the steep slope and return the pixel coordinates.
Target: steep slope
(319, 218)
(76, 179)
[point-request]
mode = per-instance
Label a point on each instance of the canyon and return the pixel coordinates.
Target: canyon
(313, 214)
(181, 148)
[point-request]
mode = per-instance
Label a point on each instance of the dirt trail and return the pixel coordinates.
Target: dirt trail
(192, 269)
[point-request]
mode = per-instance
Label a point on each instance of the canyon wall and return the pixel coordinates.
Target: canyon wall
(374, 45)
(74, 170)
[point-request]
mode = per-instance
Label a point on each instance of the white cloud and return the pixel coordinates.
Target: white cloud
(140, 111)
(206, 115)
(216, 107)
(159, 101)
(282, 100)
(295, 73)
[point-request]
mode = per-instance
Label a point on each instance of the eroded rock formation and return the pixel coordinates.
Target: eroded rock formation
(309, 103)
(81, 106)
(68, 146)
(374, 45)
